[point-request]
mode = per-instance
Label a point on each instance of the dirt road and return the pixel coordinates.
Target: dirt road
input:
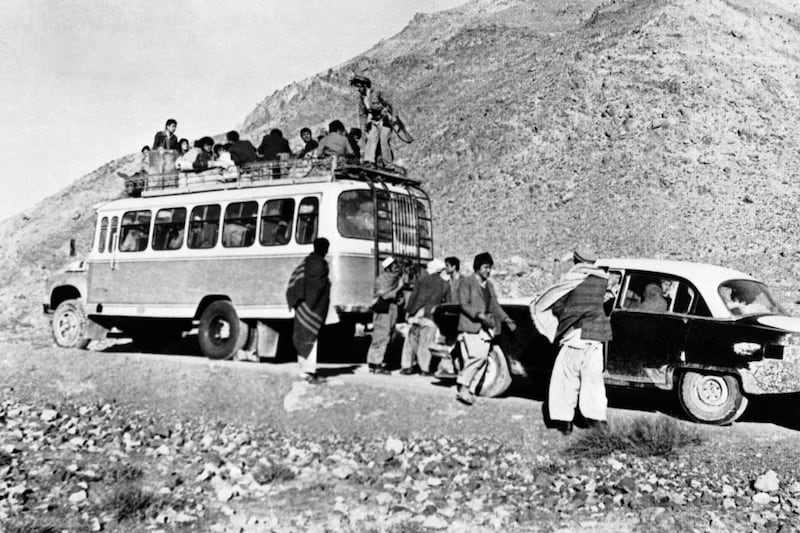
(343, 434)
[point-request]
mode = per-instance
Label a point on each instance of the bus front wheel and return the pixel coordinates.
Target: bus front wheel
(221, 334)
(69, 325)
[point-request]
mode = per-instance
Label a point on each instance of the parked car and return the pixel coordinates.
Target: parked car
(713, 335)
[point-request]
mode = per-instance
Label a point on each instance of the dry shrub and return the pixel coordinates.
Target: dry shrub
(130, 502)
(275, 472)
(644, 437)
(123, 473)
(29, 525)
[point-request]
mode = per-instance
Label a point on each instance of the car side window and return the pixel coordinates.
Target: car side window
(612, 291)
(654, 293)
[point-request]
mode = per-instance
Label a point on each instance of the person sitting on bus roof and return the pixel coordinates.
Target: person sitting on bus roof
(167, 139)
(273, 145)
(241, 151)
(206, 154)
(183, 146)
(355, 141)
(185, 162)
(223, 160)
(336, 142)
(309, 144)
(134, 172)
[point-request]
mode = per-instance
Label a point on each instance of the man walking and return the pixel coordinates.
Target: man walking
(384, 314)
(453, 270)
(429, 291)
(571, 312)
(480, 320)
(309, 295)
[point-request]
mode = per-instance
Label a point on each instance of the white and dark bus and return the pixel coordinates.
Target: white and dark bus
(216, 253)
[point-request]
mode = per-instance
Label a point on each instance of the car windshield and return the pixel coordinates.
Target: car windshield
(746, 297)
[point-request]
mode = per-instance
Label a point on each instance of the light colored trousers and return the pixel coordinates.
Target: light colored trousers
(577, 379)
(378, 135)
(417, 345)
(475, 349)
(308, 365)
(382, 329)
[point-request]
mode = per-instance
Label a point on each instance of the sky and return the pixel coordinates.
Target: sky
(83, 82)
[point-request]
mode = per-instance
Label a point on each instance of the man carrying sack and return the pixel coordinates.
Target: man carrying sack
(571, 313)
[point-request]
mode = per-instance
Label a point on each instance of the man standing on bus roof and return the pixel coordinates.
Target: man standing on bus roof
(167, 139)
(388, 285)
(480, 321)
(309, 295)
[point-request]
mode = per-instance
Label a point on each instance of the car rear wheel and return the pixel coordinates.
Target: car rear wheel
(69, 325)
(711, 398)
(221, 334)
(497, 377)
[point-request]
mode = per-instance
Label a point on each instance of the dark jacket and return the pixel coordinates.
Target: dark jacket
(243, 152)
(470, 297)
(308, 148)
(583, 308)
(272, 145)
(168, 141)
(429, 291)
(201, 163)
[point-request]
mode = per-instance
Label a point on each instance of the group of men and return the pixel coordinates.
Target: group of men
(570, 313)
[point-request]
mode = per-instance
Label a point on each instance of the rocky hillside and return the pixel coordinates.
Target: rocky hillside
(646, 128)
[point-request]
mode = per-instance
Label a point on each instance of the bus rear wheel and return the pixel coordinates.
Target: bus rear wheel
(221, 333)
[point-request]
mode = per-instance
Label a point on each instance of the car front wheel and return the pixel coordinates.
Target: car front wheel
(711, 398)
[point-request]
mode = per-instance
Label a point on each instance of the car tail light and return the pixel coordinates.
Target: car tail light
(787, 346)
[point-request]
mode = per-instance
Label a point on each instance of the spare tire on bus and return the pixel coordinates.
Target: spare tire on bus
(221, 333)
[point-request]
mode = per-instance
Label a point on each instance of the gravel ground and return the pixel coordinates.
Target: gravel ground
(121, 441)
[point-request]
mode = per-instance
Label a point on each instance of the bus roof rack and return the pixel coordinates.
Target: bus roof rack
(265, 174)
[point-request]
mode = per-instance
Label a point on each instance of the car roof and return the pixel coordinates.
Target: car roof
(700, 274)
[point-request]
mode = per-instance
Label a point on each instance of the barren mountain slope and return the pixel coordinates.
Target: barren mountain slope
(647, 128)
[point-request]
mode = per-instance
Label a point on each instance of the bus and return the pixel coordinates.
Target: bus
(215, 253)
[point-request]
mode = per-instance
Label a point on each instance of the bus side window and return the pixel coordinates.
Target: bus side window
(114, 229)
(239, 229)
(168, 228)
(204, 226)
(307, 220)
(101, 246)
(135, 230)
(276, 222)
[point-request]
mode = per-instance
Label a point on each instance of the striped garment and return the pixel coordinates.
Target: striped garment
(308, 294)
